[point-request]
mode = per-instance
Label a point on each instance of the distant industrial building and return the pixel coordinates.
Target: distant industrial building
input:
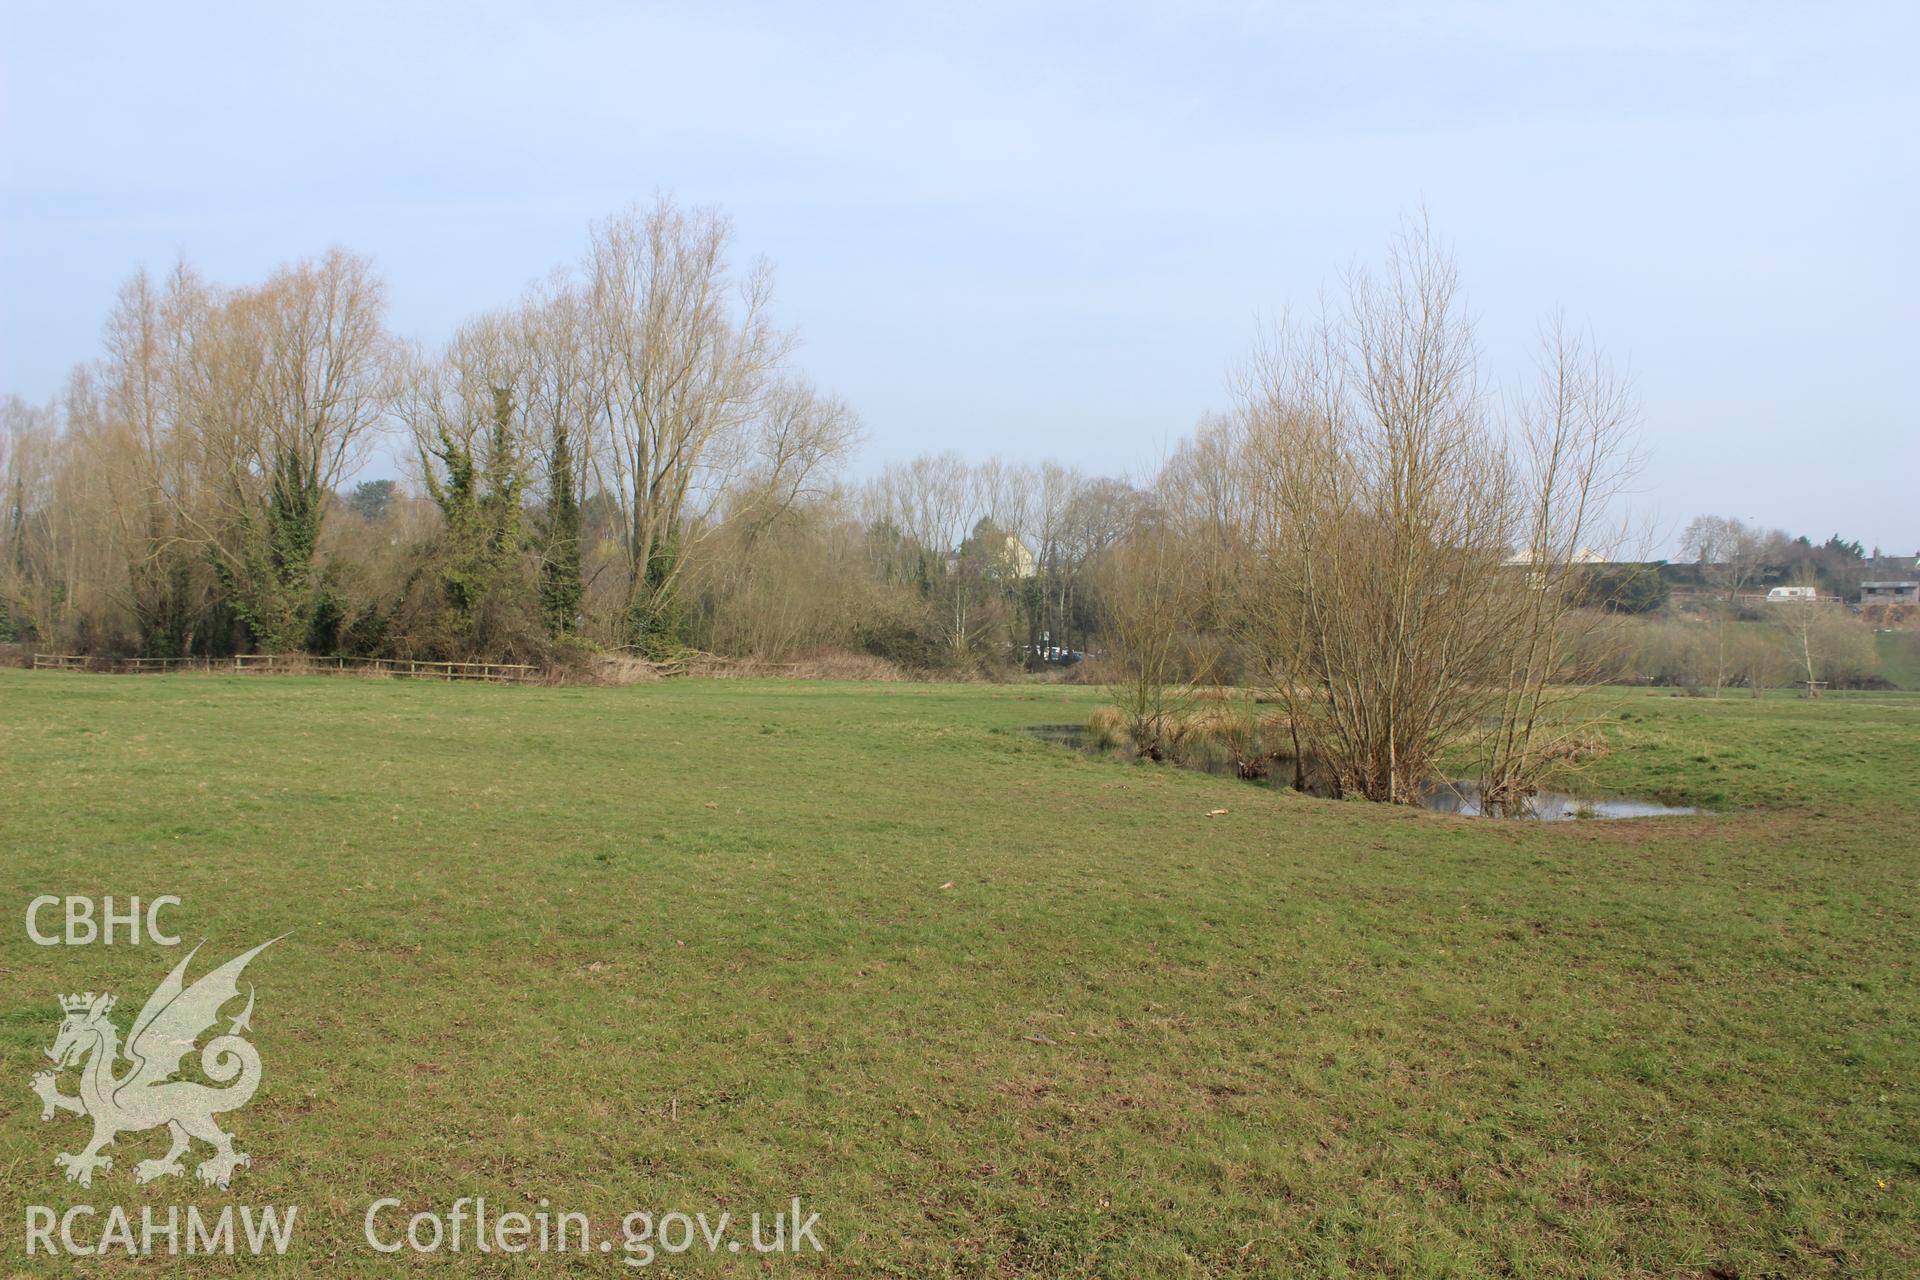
(1906, 592)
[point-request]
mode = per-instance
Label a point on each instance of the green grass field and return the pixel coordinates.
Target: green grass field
(988, 1006)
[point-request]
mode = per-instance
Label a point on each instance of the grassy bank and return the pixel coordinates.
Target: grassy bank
(988, 1006)
(1899, 654)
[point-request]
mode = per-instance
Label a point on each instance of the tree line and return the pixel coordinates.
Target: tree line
(623, 460)
(1730, 557)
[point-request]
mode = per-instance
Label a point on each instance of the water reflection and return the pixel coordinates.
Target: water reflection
(1442, 795)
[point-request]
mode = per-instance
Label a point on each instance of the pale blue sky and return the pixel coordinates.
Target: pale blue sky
(1049, 231)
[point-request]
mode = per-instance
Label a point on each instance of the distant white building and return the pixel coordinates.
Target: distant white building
(1020, 559)
(1014, 558)
(1536, 574)
(1585, 555)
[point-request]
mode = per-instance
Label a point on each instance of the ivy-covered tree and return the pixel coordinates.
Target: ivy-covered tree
(291, 378)
(266, 567)
(560, 588)
(480, 498)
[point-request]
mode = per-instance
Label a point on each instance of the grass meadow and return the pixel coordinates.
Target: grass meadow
(988, 1006)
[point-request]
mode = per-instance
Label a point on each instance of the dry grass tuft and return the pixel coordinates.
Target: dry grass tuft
(1107, 727)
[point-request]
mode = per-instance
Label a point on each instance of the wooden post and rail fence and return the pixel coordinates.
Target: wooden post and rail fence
(296, 664)
(1690, 595)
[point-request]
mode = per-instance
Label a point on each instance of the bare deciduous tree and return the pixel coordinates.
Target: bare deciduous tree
(1575, 454)
(1729, 552)
(1412, 569)
(796, 440)
(1149, 588)
(32, 585)
(139, 429)
(1379, 501)
(290, 381)
(682, 355)
(932, 501)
